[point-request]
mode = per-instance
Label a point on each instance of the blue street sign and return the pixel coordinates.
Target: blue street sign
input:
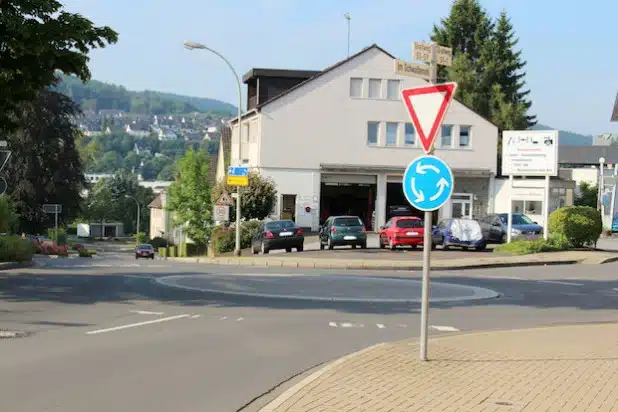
(428, 183)
(238, 171)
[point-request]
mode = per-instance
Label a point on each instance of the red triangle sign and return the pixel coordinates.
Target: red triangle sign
(427, 106)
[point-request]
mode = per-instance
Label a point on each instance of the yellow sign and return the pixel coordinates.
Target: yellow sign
(238, 180)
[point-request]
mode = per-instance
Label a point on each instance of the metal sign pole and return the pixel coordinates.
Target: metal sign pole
(56, 226)
(428, 226)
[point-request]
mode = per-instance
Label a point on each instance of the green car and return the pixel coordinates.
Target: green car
(342, 231)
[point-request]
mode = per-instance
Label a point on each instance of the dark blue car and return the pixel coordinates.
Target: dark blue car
(522, 227)
(463, 233)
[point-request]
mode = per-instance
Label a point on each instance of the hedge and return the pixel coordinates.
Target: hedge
(524, 247)
(579, 225)
(62, 236)
(16, 249)
(224, 238)
(158, 242)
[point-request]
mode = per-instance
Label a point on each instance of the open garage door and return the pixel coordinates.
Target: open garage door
(397, 204)
(356, 199)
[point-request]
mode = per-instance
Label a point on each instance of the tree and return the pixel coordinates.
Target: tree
(189, 197)
(8, 216)
(488, 69)
(167, 173)
(45, 166)
(125, 190)
(587, 196)
(257, 200)
(98, 204)
(39, 37)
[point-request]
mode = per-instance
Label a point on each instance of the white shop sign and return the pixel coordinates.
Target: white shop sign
(528, 193)
(530, 152)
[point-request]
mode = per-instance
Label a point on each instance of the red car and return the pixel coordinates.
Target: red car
(402, 231)
(144, 251)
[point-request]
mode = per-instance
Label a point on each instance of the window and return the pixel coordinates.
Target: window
(409, 223)
(392, 90)
(391, 134)
(410, 135)
(372, 132)
(447, 135)
(347, 222)
(375, 86)
(464, 136)
(356, 87)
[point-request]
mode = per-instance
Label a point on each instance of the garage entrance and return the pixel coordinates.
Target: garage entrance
(397, 204)
(356, 199)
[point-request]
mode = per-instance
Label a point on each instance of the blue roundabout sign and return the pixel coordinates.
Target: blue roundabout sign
(428, 183)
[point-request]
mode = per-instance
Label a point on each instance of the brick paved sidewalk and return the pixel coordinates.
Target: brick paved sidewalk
(564, 368)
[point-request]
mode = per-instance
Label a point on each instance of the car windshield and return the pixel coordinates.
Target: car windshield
(347, 221)
(518, 219)
(409, 223)
(145, 246)
(281, 224)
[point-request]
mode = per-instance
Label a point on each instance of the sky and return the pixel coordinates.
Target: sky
(569, 45)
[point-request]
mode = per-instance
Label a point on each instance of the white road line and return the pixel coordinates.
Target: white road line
(195, 316)
(401, 325)
(559, 282)
(347, 325)
(332, 324)
(145, 312)
(380, 326)
(240, 319)
(133, 265)
(616, 289)
(444, 328)
(504, 277)
(134, 325)
(223, 318)
(155, 266)
(100, 265)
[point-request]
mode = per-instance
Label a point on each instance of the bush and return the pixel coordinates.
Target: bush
(159, 242)
(141, 238)
(224, 238)
(77, 246)
(62, 236)
(15, 249)
(579, 225)
(85, 253)
(525, 247)
(72, 230)
(162, 252)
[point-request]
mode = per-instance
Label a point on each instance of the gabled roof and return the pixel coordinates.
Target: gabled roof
(317, 75)
(293, 74)
(157, 203)
(587, 155)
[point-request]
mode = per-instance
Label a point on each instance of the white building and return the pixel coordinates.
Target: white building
(338, 141)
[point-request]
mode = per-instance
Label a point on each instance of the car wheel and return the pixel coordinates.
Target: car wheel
(382, 246)
(433, 246)
(288, 249)
(136, 257)
(413, 247)
(300, 248)
(391, 246)
(330, 244)
(152, 257)
(481, 248)
(503, 239)
(264, 248)
(353, 246)
(445, 246)
(321, 245)
(364, 245)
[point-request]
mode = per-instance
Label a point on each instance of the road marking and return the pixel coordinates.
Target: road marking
(332, 324)
(504, 277)
(195, 316)
(133, 265)
(156, 266)
(240, 319)
(347, 325)
(223, 318)
(380, 326)
(134, 325)
(401, 325)
(444, 328)
(559, 282)
(100, 265)
(145, 312)
(616, 289)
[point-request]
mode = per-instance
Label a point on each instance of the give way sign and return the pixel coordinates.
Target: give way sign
(427, 106)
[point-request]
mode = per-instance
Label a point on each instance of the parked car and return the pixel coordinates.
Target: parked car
(522, 227)
(464, 233)
(144, 251)
(402, 231)
(278, 234)
(615, 224)
(342, 231)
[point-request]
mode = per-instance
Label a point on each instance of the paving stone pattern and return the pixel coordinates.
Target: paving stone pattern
(572, 368)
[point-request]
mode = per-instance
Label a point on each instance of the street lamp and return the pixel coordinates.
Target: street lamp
(600, 183)
(192, 46)
(138, 213)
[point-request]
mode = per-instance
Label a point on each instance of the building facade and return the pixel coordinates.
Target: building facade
(338, 142)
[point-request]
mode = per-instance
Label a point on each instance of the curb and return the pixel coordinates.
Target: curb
(327, 264)
(15, 265)
(272, 406)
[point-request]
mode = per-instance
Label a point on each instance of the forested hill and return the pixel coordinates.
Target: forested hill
(96, 95)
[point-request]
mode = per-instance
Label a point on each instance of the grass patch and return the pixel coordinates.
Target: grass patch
(527, 247)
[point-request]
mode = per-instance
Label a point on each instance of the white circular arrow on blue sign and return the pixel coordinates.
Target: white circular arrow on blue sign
(428, 183)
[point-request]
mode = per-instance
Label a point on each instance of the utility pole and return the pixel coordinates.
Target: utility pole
(348, 17)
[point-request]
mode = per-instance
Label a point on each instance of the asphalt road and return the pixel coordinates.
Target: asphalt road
(104, 335)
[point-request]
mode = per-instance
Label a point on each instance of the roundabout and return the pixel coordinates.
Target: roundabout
(330, 288)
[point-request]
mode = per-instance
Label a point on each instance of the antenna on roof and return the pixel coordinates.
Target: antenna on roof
(348, 18)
